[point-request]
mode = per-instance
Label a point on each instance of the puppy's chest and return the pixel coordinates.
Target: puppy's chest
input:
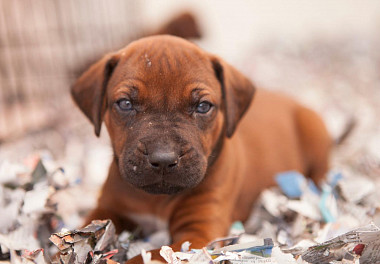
(150, 212)
(149, 223)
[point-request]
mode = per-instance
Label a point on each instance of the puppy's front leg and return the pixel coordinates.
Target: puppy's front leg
(199, 218)
(120, 223)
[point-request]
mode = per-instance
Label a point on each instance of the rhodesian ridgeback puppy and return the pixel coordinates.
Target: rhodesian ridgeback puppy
(192, 149)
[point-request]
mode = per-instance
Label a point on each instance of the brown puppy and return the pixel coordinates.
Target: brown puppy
(172, 111)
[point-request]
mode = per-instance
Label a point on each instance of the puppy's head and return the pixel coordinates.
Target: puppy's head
(167, 106)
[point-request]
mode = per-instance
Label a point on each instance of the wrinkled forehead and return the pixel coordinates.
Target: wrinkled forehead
(165, 66)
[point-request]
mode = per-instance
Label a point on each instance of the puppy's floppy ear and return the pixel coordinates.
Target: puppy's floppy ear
(89, 91)
(237, 92)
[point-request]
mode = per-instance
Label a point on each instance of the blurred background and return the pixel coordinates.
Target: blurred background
(324, 53)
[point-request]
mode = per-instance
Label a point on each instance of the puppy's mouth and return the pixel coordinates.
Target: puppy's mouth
(162, 187)
(162, 172)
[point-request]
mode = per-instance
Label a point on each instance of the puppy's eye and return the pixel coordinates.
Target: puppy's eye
(124, 104)
(204, 107)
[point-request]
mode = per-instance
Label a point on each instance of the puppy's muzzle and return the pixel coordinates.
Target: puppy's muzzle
(163, 166)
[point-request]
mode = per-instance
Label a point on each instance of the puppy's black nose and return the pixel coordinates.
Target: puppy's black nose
(163, 159)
